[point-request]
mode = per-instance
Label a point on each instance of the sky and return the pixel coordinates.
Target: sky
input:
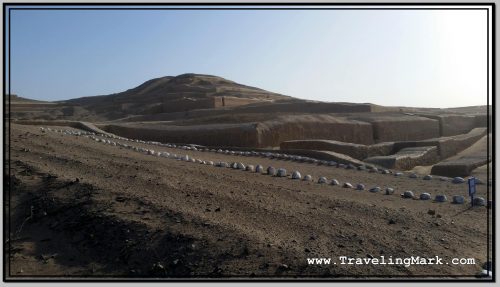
(420, 58)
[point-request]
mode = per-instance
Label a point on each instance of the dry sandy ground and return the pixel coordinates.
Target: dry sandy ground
(82, 208)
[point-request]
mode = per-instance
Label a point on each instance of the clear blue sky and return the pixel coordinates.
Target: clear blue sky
(400, 58)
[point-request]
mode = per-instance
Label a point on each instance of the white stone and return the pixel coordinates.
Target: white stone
(271, 171)
(408, 194)
(425, 196)
(259, 168)
(479, 201)
(322, 180)
(458, 199)
(281, 172)
(296, 175)
(458, 180)
(440, 198)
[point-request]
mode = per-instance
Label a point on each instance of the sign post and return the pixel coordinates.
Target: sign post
(472, 189)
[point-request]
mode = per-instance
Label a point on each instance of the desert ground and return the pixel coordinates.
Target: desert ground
(83, 208)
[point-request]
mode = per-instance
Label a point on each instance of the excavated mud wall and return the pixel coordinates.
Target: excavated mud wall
(450, 125)
(213, 135)
(273, 133)
(447, 146)
(325, 155)
(453, 124)
(482, 120)
(407, 158)
(453, 145)
(456, 124)
(263, 134)
(459, 167)
(276, 107)
(403, 155)
(405, 130)
(356, 151)
(306, 107)
(398, 127)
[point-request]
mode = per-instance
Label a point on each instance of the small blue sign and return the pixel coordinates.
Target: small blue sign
(472, 186)
(472, 189)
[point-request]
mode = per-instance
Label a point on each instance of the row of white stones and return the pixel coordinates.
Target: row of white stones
(279, 172)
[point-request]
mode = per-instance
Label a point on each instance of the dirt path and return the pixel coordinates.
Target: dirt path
(103, 210)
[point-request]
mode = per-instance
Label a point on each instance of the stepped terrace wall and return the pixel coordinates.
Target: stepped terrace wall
(274, 132)
(452, 124)
(447, 146)
(211, 135)
(305, 107)
(262, 134)
(302, 107)
(407, 158)
(357, 151)
(400, 127)
(459, 167)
